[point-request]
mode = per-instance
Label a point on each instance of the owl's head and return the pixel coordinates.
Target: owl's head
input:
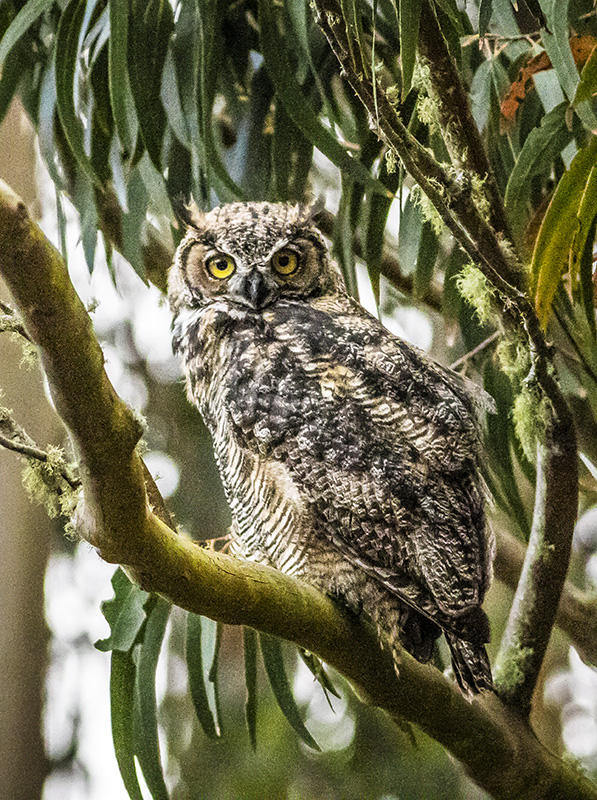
(251, 255)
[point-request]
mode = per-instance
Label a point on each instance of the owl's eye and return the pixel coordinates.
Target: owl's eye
(285, 262)
(220, 266)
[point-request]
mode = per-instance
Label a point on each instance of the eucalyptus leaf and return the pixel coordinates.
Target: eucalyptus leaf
(540, 149)
(150, 26)
(409, 16)
(28, 15)
(556, 40)
(317, 669)
(573, 206)
(147, 746)
(122, 699)
(123, 104)
(271, 650)
(587, 86)
(65, 60)
(250, 651)
(296, 105)
(124, 613)
(485, 12)
(197, 674)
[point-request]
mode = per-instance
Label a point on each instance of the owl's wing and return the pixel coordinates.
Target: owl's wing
(381, 445)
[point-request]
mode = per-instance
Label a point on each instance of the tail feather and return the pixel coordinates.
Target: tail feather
(470, 665)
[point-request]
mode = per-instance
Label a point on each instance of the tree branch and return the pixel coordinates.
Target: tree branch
(498, 750)
(14, 437)
(460, 130)
(542, 578)
(544, 571)
(577, 612)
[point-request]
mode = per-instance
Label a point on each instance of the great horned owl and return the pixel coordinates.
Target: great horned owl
(349, 459)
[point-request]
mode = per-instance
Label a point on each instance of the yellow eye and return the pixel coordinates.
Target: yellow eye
(220, 266)
(285, 262)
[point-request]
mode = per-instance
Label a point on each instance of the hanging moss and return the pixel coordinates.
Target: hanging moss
(513, 356)
(529, 415)
(45, 484)
(477, 291)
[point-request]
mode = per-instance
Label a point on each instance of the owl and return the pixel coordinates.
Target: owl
(349, 459)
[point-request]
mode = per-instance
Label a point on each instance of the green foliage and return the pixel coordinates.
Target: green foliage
(565, 229)
(271, 650)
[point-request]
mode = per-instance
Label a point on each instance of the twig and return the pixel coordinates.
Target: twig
(476, 350)
(11, 322)
(462, 135)
(20, 442)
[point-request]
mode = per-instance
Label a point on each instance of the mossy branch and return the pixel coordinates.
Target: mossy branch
(462, 135)
(577, 611)
(497, 749)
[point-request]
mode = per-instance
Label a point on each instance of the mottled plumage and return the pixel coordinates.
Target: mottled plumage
(349, 459)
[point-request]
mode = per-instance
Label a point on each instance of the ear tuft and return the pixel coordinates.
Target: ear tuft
(310, 210)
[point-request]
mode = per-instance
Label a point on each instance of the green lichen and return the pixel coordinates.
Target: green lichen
(509, 675)
(393, 95)
(427, 111)
(391, 161)
(477, 292)
(479, 195)
(45, 483)
(529, 415)
(513, 356)
(430, 214)
(30, 356)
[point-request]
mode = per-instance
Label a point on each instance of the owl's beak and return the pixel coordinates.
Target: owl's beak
(254, 289)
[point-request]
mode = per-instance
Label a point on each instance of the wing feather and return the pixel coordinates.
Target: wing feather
(383, 447)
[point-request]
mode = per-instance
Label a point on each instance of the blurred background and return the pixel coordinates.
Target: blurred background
(55, 739)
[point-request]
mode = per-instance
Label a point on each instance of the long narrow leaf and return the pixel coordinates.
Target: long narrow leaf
(122, 695)
(587, 291)
(121, 98)
(410, 14)
(146, 737)
(556, 40)
(196, 670)
(271, 649)
(27, 16)
(297, 106)
(124, 613)
(212, 675)
(250, 650)
(317, 669)
(541, 147)
(211, 54)
(588, 79)
(587, 211)
(65, 60)
(150, 26)
(553, 246)
(485, 11)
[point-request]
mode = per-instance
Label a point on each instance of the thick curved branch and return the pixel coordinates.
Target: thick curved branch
(498, 750)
